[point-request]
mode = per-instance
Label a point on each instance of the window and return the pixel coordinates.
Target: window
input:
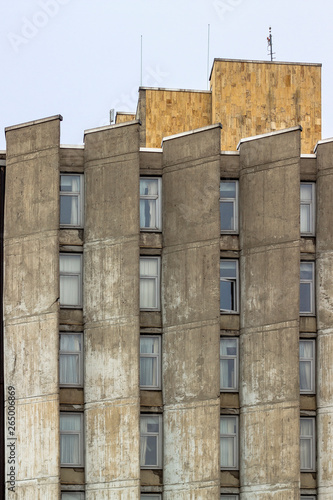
(229, 497)
(228, 364)
(229, 206)
(151, 441)
(229, 441)
(71, 439)
(150, 497)
(71, 200)
(307, 288)
(150, 365)
(150, 283)
(72, 495)
(307, 208)
(307, 366)
(308, 497)
(70, 280)
(307, 444)
(150, 203)
(71, 359)
(229, 286)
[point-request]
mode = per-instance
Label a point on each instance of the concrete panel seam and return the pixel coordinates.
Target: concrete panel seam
(190, 162)
(268, 165)
(38, 400)
(183, 247)
(197, 485)
(270, 406)
(109, 242)
(33, 318)
(112, 484)
(188, 405)
(292, 324)
(38, 235)
(15, 159)
(101, 162)
(127, 320)
(107, 403)
(271, 247)
(192, 325)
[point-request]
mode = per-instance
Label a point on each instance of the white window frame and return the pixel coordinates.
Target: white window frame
(311, 283)
(308, 497)
(229, 357)
(79, 494)
(312, 209)
(158, 199)
(235, 203)
(312, 362)
(80, 197)
(235, 437)
(76, 433)
(157, 280)
(312, 439)
(235, 281)
(158, 435)
(158, 362)
(77, 353)
(228, 496)
(151, 496)
(79, 275)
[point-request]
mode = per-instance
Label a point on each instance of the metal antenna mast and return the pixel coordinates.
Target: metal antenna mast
(270, 44)
(141, 65)
(208, 57)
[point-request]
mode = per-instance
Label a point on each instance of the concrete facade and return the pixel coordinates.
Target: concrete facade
(187, 406)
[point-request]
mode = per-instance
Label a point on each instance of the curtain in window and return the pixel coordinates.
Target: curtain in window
(148, 365)
(227, 444)
(148, 283)
(228, 347)
(70, 443)
(148, 443)
(305, 351)
(148, 187)
(306, 443)
(69, 363)
(70, 283)
(71, 495)
(69, 205)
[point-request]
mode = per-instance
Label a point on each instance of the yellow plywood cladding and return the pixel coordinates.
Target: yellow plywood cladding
(122, 117)
(256, 97)
(171, 112)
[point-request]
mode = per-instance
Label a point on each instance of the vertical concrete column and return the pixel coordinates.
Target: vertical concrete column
(324, 305)
(190, 304)
(111, 312)
(31, 253)
(269, 277)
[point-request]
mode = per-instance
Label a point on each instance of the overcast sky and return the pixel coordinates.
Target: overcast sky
(80, 58)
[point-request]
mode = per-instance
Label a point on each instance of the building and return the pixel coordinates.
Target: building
(188, 354)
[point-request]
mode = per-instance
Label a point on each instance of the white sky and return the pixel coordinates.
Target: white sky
(80, 58)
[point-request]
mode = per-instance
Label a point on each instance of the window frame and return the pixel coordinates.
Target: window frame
(80, 280)
(312, 361)
(71, 433)
(308, 497)
(153, 496)
(235, 295)
(158, 199)
(235, 437)
(81, 493)
(158, 356)
(236, 364)
(233, 496)
(311, 282)
(312, 439)
(80, 196)
(80, 355)
(157, 280)
(312, 209)
(159, 440)
(235, 202)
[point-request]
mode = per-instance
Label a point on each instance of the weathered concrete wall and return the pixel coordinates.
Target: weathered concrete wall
(190, 306)
(256, 97)
(111, 310)
(269, 277)
(30, 304)
(324, 296)
(169, 112)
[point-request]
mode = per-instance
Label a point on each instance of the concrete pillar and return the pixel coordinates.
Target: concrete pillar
(269, 277)
(324, 304)
(111, 312)
(190, 306)
(31, 253)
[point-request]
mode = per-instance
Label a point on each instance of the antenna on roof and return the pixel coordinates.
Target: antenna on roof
(270, 44)
(141, 65)
(208, 57)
